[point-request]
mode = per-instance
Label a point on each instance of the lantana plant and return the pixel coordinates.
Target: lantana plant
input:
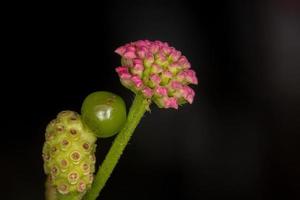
(154, 72)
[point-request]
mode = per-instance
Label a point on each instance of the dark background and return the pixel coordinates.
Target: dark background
(238, 140)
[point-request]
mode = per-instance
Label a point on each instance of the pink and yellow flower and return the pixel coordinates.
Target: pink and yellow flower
(157, 71)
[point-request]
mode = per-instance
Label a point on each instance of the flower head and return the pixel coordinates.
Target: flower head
(157, 71)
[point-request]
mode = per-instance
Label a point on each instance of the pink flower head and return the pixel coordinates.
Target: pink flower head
(157, 71)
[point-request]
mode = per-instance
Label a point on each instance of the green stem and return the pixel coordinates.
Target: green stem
(136, 112)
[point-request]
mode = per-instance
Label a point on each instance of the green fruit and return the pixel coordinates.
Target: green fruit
(68, 154)
(104, 113)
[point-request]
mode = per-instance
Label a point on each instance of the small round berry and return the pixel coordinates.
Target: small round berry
(104, 113)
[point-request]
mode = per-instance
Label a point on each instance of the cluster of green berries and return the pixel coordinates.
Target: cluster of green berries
(68, 153)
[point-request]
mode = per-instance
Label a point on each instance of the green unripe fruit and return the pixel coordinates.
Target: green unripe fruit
(104, 113)
(68, 154)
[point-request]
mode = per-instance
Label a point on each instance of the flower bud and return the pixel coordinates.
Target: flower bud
(157, 71)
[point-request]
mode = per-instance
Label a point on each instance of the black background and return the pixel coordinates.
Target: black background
(238, 140)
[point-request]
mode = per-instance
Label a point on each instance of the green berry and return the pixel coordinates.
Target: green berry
(68, 154)
(104, 113)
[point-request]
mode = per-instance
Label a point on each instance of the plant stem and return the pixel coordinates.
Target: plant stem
(136, 112)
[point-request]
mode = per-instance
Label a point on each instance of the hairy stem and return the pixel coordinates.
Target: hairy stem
(136, 112)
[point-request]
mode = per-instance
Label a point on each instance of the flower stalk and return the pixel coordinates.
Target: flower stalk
(136, 112)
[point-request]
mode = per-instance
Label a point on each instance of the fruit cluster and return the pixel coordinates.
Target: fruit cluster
(68, 153)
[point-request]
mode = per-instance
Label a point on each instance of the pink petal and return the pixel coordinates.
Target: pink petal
(161, 57)
(121, 50)
(154, 48)
(140, 43)
(130, 48)
(171, 103)
(186, 65)
(123, 72)
(167, 74)
(188, 94)
(138, 67)
(142, 51)
(162, 91)
(147, 92)
(166, 44)
(149, 59)
(121, 69)
(175, 55)
(180, 76)
(182, 59)
(190, 76)
(137, 81)
(184, 62)
(155, 79)
(129, 55)
(159, 43)
(137, 61)
(176, 85)
(147, 42)
(166, 50)
(156, 68)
